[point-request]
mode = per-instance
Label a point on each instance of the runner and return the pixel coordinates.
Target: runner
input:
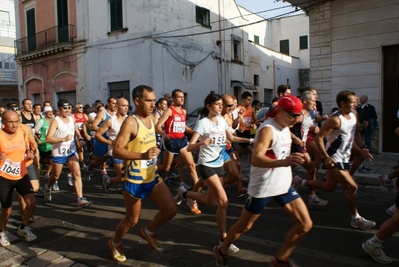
(175, 142)
(341, 131)
(45, 149)
(14, 145)
(212, 130)
(112, 128)
(61, 134)
(271, 179)
(136, 144)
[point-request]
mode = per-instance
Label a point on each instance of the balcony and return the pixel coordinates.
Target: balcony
(50, 41)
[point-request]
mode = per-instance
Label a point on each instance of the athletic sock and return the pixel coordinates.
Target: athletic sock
(147, 232)
(356, 216)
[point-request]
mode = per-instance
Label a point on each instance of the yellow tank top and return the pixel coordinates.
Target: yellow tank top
(141, 171)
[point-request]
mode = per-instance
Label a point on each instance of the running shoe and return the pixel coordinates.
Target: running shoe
(192, 204)
(375, 251)
(362, 223)
(70, 179)
(391, 210)
(47, 176)
(47, 193)
(105, 183)
(296, 182)
(4, 241)
(383, 183)
(220, 260)
(363, 169)
(179, 197)
(39, 193)
(86, 173)
(104, 171)
(242, 192)
(232, 248)
(83, 202)
(116, 251)
(55, 186)
(316, 201)
(152, 240)
(274, 263)
(26, 233)
(185, 186)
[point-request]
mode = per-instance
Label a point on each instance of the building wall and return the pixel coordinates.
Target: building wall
(346, 47)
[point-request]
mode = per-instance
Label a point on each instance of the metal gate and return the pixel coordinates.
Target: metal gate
(70, 96)
(390, 103)
(120, 89)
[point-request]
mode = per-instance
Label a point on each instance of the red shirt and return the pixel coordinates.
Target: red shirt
(175, 125)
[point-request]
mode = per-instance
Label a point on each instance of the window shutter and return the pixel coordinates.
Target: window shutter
(199, 15)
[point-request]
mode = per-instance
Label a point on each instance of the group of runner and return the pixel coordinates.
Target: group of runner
(150, 143)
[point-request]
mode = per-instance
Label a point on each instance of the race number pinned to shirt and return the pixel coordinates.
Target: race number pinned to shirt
(79, 125)
(148, 163)
(11, 168)
(179, 127)
(218, 138)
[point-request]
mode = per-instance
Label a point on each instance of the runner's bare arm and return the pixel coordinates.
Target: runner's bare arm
(102, 130)
(161, 121)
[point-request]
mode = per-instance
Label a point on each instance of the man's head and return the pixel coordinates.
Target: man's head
(162, 104)
(309, 100)
(246, 98)
(168, 98)
(2, 109)
(48, 112)
(122, 106)
(363, 99)
(64, 108)
(46, 104)
(144, 100)
(11, 121)
(79, 108)
(283, 90)
(178, 97)
(228, 104)
(256, 105)
(37, 109)
(111, 104)
(289, 108)
(346, 101)
(27, 104)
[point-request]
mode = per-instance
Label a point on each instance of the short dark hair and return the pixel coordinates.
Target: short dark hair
(176, 91)
(343, 96)
(255, 102)
(109, 98)
(245, 95)
(26, 99)
(36, 105)
(63, 102)
(138, 91)
(282, 88)
(11, 104)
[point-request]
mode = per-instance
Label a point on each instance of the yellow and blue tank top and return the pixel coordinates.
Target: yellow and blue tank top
(141, 171)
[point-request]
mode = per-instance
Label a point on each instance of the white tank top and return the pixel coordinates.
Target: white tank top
(68, 147)
(306, 124)
(339, 142)
(113, 131)
(267, 182)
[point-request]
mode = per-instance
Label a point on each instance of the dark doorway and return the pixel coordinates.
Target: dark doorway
(62, 16)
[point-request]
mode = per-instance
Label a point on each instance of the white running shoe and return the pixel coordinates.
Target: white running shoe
(383, 183)
(26, 233)
(4, 239)
(83, 202)
(375, 251)
(179, 197)
(105, 183)
(316, 201)
(232, 248)
(70, 179)
(362, 223)
(55, 186)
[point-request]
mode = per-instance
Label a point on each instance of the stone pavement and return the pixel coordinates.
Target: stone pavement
(21, 253)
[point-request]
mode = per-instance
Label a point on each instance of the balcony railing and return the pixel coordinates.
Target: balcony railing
(45, 39)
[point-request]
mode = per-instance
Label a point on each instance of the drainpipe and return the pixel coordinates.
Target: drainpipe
(274, 77)
(220, 52)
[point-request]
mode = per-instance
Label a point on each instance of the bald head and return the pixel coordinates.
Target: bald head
(227, 99)
(10, 120)
(123, 106)
(228, 104)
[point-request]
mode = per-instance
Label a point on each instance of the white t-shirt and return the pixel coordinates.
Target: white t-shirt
(267, 182)
(68, 147)
(211, 155)
(113, 131)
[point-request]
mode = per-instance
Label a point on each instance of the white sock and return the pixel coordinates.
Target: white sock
(356, 216)
(374, 240)
(147, 232)
(386, 179)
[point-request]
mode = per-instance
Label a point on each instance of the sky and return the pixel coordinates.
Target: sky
(262, 5)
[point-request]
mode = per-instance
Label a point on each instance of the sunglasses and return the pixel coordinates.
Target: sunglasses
(64, 108)
(291, 114)
(229, 106)
(79, 107)
(15, 108)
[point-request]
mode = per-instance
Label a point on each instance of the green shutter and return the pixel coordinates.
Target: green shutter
(285, 47)
(303, 42)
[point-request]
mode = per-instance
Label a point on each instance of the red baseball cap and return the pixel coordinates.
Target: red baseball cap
(291, 103)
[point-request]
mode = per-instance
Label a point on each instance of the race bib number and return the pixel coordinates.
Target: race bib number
(12, 168)
(148, 163)
(65, 149)
(218, 139)
(247, 120)
(179, 127)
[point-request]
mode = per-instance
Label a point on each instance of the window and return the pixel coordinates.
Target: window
(285, 47)
(256, 39)
(116, 15)
(1, 65)
(62, 17)
(236, 49)
(7, 65)
(256, 80)
(202, 16)
(31, 29)
(303, 42)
